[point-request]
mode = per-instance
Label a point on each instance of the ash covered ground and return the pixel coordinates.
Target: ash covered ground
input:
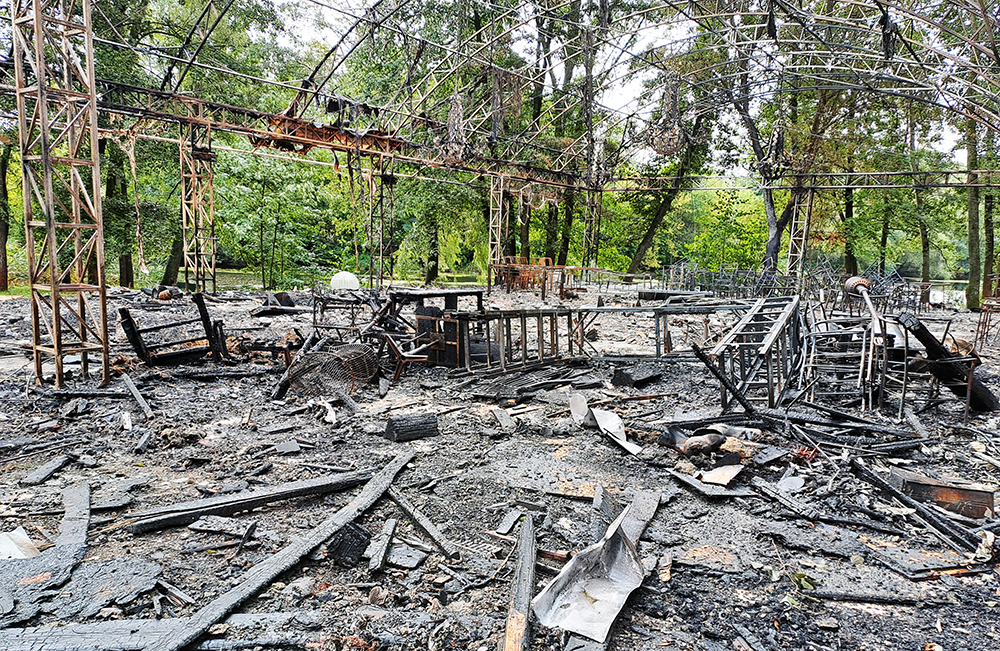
(721, 572)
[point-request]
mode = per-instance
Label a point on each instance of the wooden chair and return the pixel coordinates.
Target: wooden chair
(402, 357)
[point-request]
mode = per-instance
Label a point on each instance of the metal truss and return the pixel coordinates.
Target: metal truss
(498, 221)
(380, 201)
(495, 97)
(763, 351)
(61, 176)
(798, 241)
(198, 207)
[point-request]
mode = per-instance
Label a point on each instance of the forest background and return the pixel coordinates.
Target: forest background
(283, 223)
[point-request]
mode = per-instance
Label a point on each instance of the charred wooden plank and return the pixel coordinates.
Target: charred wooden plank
(43, 473)
(507, 524)
(347, 545)
(133, 634)
(641, 511)
(636, 377)
(379, 547)
(965, 500)
(25, 582)
(604, 510)
(709, 490)
(518, 637)
(146, 409)
(503, 419)
(262, 574)
(448, 547)
(954, 532)
(187, 512)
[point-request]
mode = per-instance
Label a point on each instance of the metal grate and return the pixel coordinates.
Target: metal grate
(339, 370)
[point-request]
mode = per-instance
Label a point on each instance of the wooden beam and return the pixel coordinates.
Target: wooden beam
(448, 547)
(187, 512)
(146, 409)
(380, 546)
(518, 635)
(262, 574)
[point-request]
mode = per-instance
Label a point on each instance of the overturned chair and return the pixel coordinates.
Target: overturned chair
(166, 352)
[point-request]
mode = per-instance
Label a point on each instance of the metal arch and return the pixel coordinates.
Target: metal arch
(204, 40)
(187, 41)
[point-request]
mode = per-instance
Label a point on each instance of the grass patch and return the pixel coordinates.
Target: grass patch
(16, 290)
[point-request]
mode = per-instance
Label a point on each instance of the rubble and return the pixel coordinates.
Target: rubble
(801, 515)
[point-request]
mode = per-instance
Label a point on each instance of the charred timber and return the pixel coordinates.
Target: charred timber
(187, 512)
(517, 636)
(947, 528)
(412, 427)
(953, 374)
(263, 573)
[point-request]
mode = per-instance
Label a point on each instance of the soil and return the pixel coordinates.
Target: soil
(716, 566)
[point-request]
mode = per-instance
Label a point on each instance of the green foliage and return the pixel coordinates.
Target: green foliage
(455, 211)
(287, 223)
(732, 231)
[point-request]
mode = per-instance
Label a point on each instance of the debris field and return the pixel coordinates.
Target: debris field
(598, 471)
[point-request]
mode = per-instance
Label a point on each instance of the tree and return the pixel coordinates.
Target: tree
(690, 161)
(972, 295)
(6, 145)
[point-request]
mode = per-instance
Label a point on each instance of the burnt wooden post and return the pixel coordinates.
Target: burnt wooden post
(411, 427)
(212, 333)
(132, 334)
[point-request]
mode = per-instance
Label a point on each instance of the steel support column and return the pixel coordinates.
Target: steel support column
(498, 222)
(198, 207)
(61, 180)
(798, 240)
(381, 207)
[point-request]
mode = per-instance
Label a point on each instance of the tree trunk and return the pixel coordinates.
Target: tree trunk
(537, 92)
(773, 246)
(667, 201)
(883, 242)
(925, 261)
(572, 49)
(433, 249)
(918, 199)
(776, 228)
(989, 244)
(5, 151)
(850, 260)
(569, 206)
(116, 189)
(552, 231)
(526, 230)
(510, 244)
(975, 268)
(486, 223)
(126, 273)
(173, 262)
